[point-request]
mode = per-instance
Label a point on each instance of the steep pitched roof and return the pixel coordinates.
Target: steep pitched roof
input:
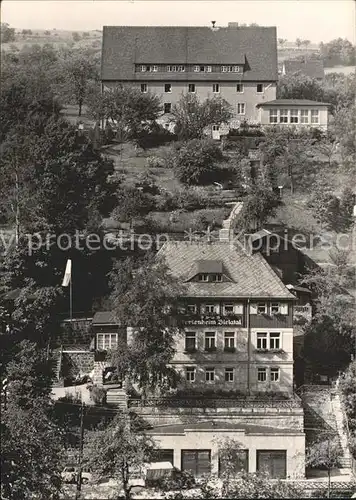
(125, 46)
(251, 275)
(292, 102)
(313, 68)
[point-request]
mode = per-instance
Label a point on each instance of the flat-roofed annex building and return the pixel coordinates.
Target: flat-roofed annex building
(234, 62)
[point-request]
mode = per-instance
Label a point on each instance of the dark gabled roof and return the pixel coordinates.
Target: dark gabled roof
(250, 275)
(125, 46)
(313, 68)
(292, 102)
(223, 425)
(105, 318)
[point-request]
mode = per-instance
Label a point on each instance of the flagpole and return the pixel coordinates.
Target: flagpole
(70, 300)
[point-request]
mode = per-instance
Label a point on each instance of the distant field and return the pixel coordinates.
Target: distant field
(56, 37)
(346, 70)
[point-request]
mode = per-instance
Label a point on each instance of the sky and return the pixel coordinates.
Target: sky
(315, 20)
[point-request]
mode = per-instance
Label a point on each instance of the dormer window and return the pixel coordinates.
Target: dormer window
(204, 277)
(216, 277)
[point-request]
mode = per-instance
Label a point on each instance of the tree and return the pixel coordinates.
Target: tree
(285, 154)
(192, 117)
(258, 206)
(281, 42)
(128, 109)
(324, 454)
(75, 36)
(119, 452)
(298, 42)
(345, 131)
(348, 390)
(306, 43)
(7, 33)
(145, 299)
(299, 86)
(30, 440)
(80, 72)
(196, 162)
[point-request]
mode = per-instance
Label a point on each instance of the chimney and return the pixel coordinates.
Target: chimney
(233, 25)
(213, 24)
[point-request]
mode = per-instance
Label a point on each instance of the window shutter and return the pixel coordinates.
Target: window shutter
(238, 309)
(284, 309)
(217, 308)
(253, 309)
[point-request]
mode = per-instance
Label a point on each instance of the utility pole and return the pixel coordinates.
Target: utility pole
(80, 458)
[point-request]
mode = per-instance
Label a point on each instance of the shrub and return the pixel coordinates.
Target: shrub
(154, 135)
(155, 162)
(98, 395)
(196, 162)
(181, 480)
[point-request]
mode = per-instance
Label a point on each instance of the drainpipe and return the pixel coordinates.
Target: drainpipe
(248, 346)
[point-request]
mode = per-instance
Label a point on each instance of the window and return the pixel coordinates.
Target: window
(162, 455)
(198, 462)
(229, 341)
(241, 108)
(191, 88)
(230, 69)
(294, 116)
(273, 463)
(209, 374)
(274, 372)
(216, 128)
(261, 308)
(167, 87)
(144, 88)
(304, 116)
(283, 116)
(273, 116)
(234, 461)
(175, 69)
(210, 341)
(190, 372)
(207, 69)
(274, 340)
(144, 68)
(191, 308)
(275, 308)
(261, 340)
(314, 116)
(155, 68)
(229, 374)
(202, 68)
(228, 309)
(209, 309)
(190, 341)
(260, 88)
(203, 277)
(196, 69)
(167, 107)
(240, 88)
(216, 88)
(216, 277)
(106, 341)
(261, 374)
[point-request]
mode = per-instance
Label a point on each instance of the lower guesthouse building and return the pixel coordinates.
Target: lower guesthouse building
(235, 359)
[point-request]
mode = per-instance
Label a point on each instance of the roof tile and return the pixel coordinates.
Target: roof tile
(125, 46)
(251, 275)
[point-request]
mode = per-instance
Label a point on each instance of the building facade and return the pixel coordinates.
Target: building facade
(238, 330)
(298, 113)
(238, 64)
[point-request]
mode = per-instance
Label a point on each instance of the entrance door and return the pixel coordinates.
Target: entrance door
(273, 463)
(216, 132)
